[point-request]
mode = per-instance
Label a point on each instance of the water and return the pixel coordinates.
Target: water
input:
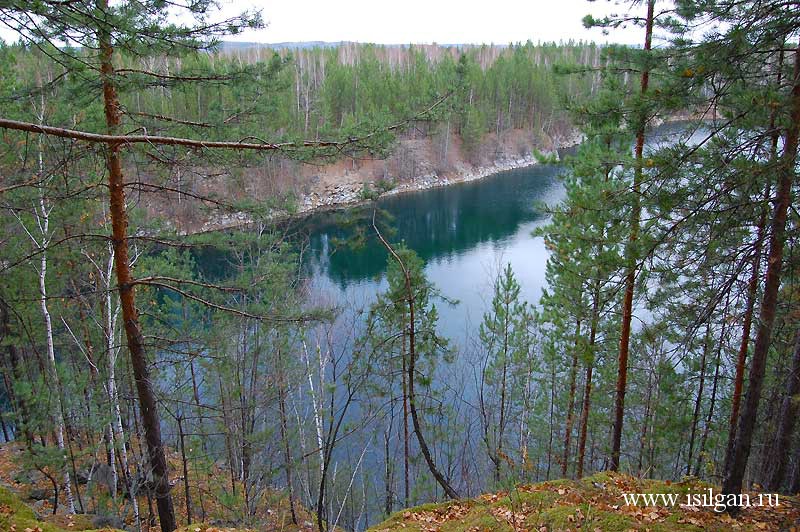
(464, 233)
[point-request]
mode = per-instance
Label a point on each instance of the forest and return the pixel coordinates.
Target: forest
(157, 376)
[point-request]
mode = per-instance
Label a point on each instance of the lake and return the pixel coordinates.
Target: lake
(464, 232)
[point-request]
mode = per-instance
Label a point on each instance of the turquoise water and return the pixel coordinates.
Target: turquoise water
(464, 233)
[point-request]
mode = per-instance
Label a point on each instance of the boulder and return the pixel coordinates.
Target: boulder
(107, 521)
(38, 494)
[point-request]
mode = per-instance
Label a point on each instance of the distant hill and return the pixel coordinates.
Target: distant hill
(231, 45)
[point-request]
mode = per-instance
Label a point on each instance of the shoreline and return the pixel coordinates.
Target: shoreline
(350, 195)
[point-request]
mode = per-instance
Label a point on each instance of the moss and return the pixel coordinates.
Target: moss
(481, 520)
(15, 504)
(611, 522)
(559, 517)
(15, 513)
(588, 504)
(571, 516)
(683, 487)
(203, 527)
(561, 482)
(601, 477)
(534, 499)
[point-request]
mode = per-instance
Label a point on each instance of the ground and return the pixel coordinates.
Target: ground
(26, 501)
(593, 504)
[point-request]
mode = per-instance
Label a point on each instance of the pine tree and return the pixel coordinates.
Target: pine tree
(502, 334)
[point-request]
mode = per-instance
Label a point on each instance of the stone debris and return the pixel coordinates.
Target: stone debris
(353, 193)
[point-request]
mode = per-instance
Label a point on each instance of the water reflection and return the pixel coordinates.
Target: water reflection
(444, 223)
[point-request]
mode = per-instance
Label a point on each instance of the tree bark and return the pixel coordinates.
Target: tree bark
(423, 446)
(186, 492)
(587, 391)
(752, 287)
(22, 421)
(587, 403)
(630, 278)
(698, 401)
(747, 322)
(43, 222)
(734, 469)
(118, 431)
(714, 387)
(786, 423)
(404, 378)
(285, 437)
(119, 225)
(571, 403)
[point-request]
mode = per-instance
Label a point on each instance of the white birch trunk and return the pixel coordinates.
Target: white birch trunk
(316, 404)
(43, 222)
(118, 432)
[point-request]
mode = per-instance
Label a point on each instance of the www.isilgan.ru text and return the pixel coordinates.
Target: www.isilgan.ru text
(706, 499)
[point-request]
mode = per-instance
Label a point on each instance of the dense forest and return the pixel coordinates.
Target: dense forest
(155, 376)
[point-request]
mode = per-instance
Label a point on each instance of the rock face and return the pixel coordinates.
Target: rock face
(352, 193)
(415, 165)
(348, 193)
(38, 494)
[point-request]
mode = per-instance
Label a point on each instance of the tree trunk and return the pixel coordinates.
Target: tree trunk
(403, 376)
(735, 467)
(630, 278)
(16, 368)
(698, 401)
(552, 417)
(747, 322)
(198, 406)
(587, 394)
(287, 454)
(571, 403)
(388, 470)
(502, 423)
(752, 286)
(118, 431)
(645, 424)
(714, 387)
(786, 423)
(412, 359)
(119, 224)
(186, 493)
(587, 391)
(52, 371)
(423, 446)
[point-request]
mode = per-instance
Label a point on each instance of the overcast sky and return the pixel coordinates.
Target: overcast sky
(427, 21)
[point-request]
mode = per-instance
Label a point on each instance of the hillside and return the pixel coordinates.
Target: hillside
(26, 497)
(594, 503)
(416, 163)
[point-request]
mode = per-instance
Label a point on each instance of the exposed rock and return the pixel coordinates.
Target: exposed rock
(38, 509)
(82, 477)
(38, 494)
(28, 477)
(107, 521)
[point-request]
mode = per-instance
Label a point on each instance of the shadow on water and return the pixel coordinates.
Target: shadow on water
(441, 223)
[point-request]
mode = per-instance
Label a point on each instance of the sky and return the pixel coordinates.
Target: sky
(426, 21)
